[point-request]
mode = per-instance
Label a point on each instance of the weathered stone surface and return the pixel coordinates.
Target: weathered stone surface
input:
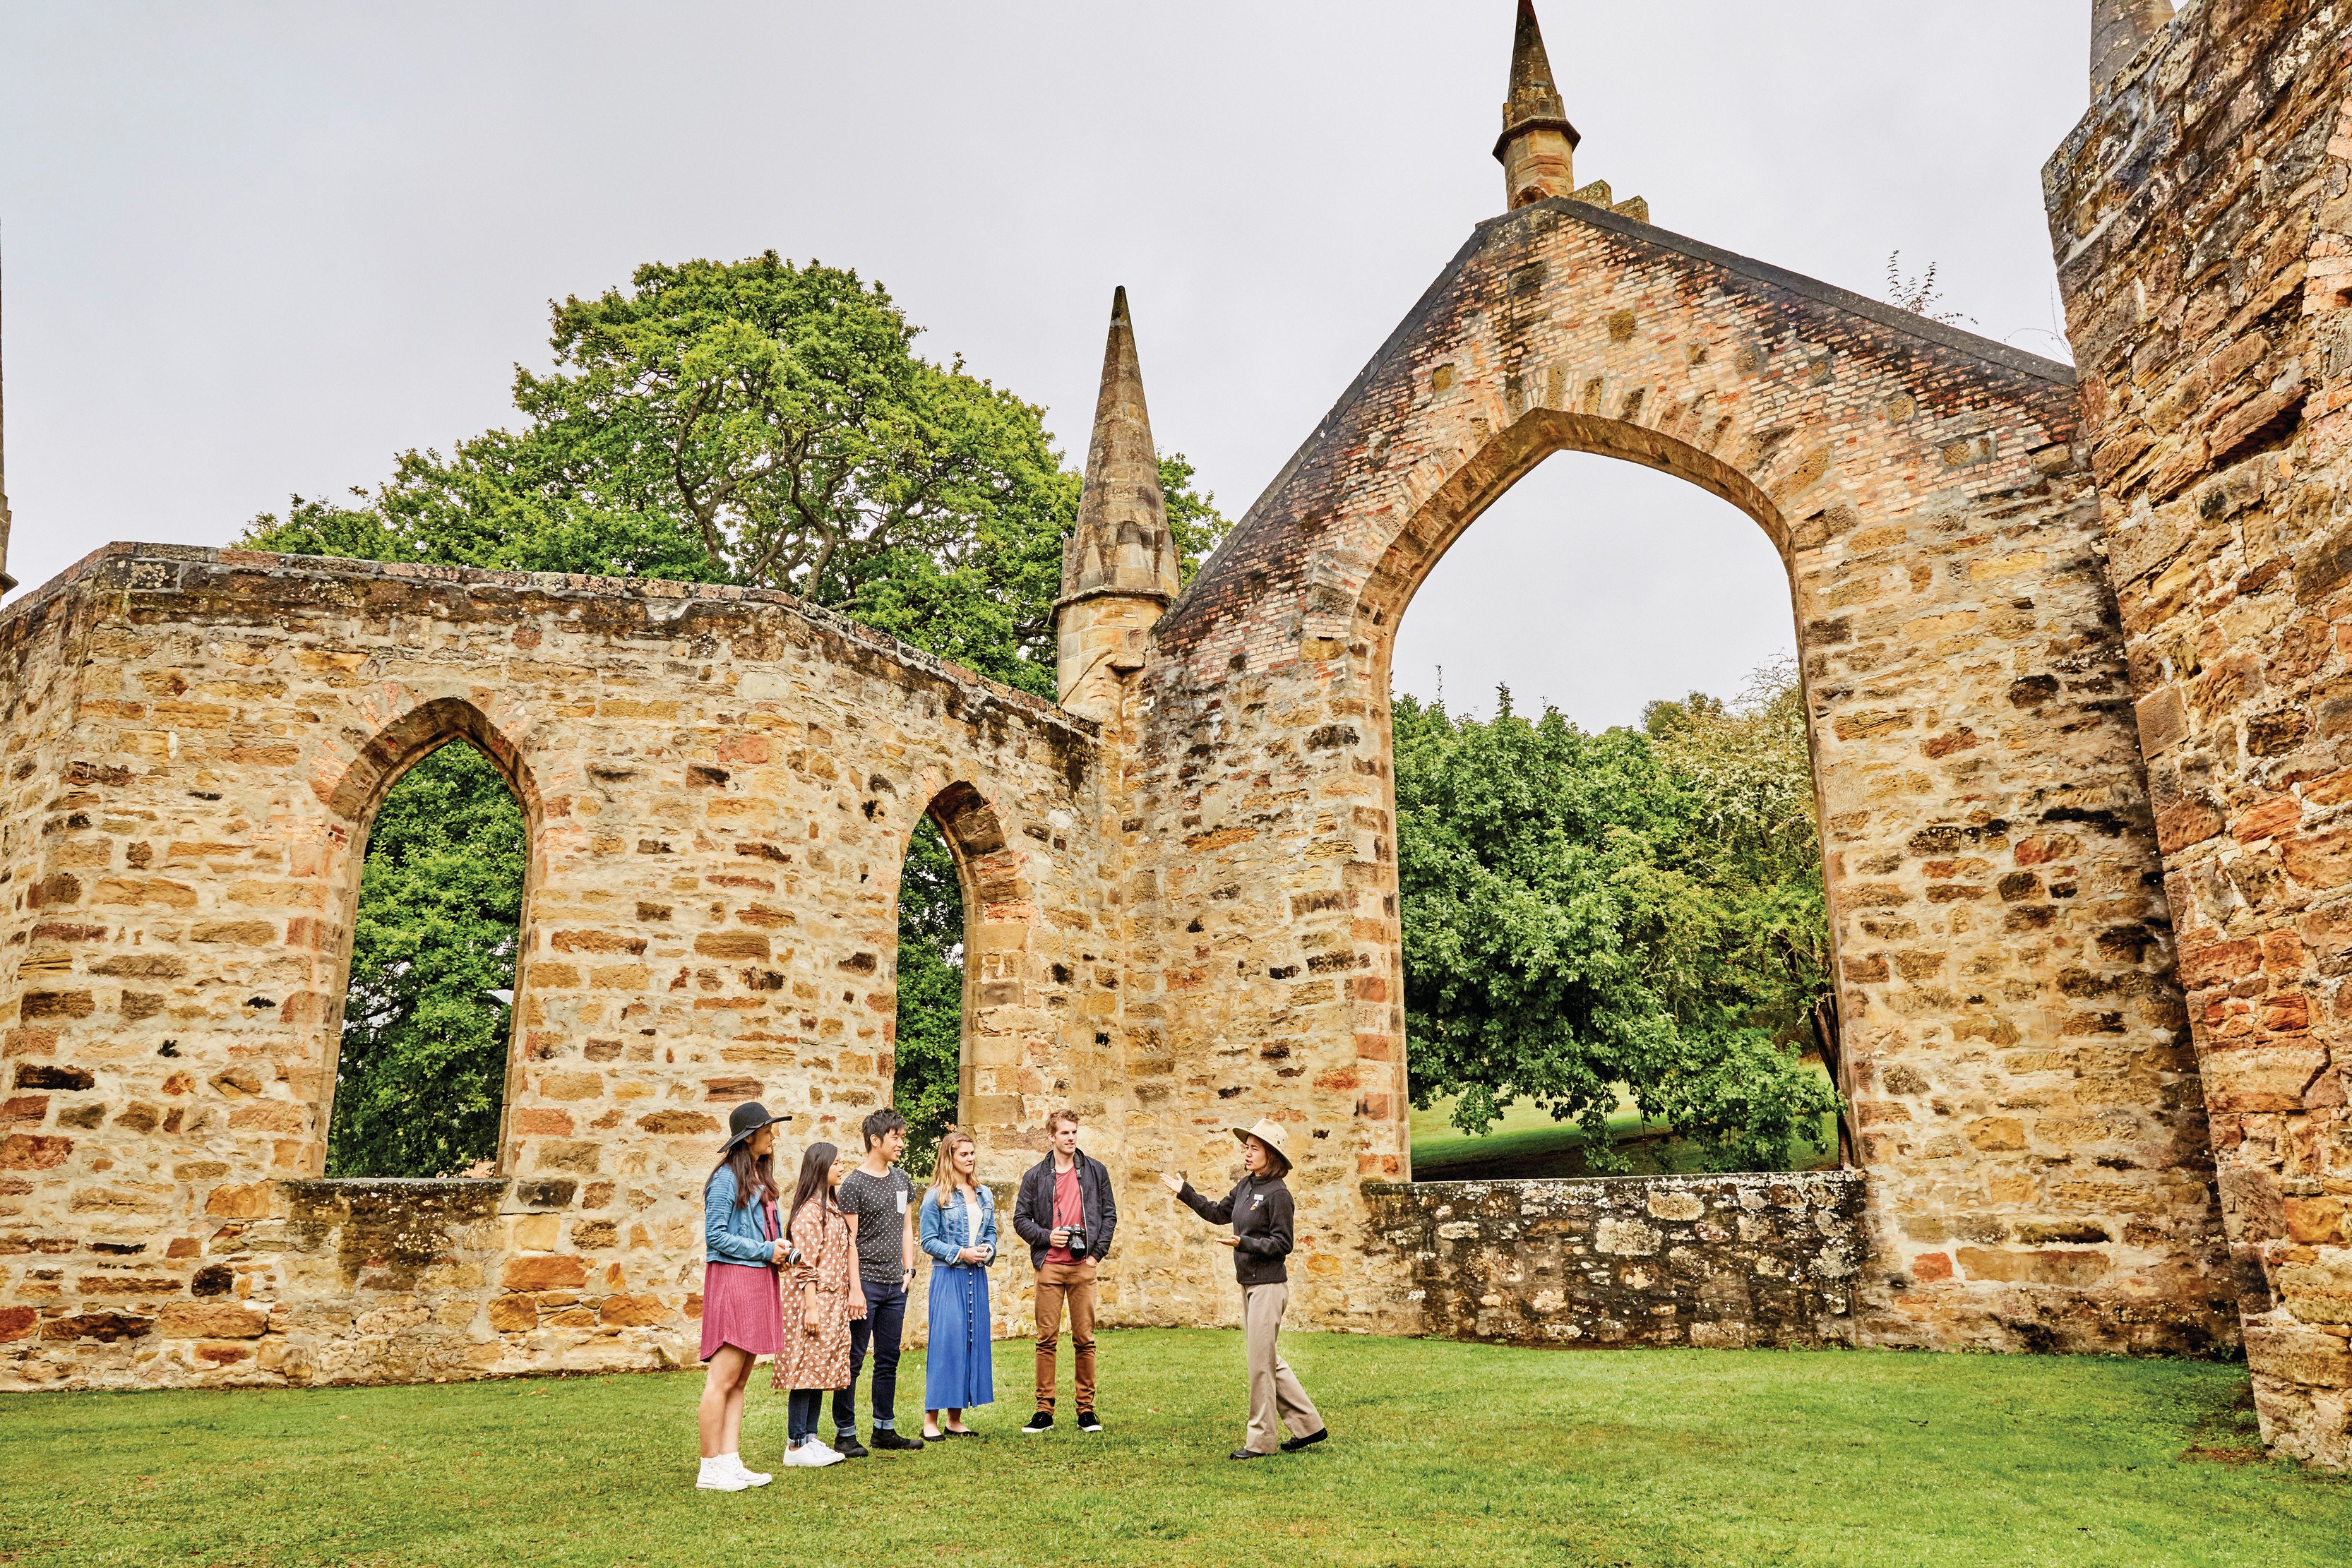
(719, 787)
(1717, 1262)
(2200, 215)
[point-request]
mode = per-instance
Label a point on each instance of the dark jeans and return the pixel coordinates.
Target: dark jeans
(884, 1322)
(801, 1413)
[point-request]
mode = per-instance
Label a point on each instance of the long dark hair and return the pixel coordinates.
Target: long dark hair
(755, 1174)
(816, 1177)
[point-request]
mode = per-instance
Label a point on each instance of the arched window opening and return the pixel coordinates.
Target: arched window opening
(926, 1080)
(421, 1076)
(1616, 946)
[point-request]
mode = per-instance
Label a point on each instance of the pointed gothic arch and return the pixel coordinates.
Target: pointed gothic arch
(355, 798)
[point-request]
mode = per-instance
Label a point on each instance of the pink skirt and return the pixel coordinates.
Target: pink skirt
(741, 1306)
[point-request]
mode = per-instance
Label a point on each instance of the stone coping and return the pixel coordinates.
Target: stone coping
(100, 562)
(1893, 317)
(1760, 1178)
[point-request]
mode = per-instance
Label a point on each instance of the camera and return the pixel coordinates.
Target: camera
(1077, 1241)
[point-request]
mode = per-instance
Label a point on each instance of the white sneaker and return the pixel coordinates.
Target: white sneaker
(757, 1477)
(812, 1454)
(715, 1476)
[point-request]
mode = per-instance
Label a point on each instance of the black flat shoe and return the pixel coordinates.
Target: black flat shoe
(1292, 1445)
(1248, 1454)
(958, 1432)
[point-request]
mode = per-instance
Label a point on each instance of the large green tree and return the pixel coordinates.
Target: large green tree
(770, 424)
(1575, 925)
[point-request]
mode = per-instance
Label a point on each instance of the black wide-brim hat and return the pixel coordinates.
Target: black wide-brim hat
(747, 1119)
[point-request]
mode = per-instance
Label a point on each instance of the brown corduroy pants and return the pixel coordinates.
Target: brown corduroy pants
(1072, 1284)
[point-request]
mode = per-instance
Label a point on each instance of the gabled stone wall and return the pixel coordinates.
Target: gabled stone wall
(2038, 1175)
(2202, 218)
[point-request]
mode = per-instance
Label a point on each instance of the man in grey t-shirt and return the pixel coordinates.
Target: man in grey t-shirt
(880, 1200)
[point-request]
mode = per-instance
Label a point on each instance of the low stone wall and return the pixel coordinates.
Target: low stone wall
(1717, 1260)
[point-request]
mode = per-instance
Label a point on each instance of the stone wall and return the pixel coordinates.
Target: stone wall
(2037, 1159)
(2200, 215)
(719, 787)
(1726, 1262)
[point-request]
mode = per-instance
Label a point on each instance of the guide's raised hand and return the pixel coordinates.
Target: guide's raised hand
(1173, 1181)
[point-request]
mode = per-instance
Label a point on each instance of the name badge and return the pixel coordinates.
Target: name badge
(902, 1200)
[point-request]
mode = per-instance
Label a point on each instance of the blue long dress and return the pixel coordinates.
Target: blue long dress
(957, 1370)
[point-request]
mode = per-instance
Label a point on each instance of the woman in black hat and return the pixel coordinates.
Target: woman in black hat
(742, 1316)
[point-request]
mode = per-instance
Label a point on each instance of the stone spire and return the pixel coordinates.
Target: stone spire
(1538, 149)
(1122, 545)
(1119, 569)
(2119, 29)
(6, 581)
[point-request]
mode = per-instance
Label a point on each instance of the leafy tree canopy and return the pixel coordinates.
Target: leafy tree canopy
(761, 423)
(1638, 908)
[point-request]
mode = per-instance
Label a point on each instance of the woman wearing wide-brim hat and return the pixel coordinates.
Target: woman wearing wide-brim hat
(742, 1313)
(1259, 1210)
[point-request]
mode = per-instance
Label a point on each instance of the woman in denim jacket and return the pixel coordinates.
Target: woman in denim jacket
(959, 1232)
(741, 1313)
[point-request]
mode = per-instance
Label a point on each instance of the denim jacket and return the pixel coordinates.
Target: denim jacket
(733, 1232)
(943, 1235)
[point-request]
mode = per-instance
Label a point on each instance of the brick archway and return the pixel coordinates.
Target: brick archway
(2018, 1042)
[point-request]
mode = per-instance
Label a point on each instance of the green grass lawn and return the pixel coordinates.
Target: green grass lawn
(1527, 1143)
(1442, 1454)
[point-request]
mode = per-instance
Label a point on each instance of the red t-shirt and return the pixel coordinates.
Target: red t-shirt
(1069, 1211)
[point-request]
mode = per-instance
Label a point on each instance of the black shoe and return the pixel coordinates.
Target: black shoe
(1248, 1454)
(1086, 1422)
(883, 1438)
(849, 1448)
(1292, 1445)
(1041, 1421)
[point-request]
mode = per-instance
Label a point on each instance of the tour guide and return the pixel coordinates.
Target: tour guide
(1260, 1211)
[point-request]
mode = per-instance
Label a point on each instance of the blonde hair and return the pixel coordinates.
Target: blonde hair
(1060, 1116)
(943, 1180)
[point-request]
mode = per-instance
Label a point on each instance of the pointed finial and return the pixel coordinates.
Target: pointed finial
(1537, 145)
(1122, 545)
(2119, 31)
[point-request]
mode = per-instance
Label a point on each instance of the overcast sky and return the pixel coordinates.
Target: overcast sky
(254, 249)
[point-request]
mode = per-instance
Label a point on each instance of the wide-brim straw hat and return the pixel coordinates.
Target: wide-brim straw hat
(1270, 1133)
(747, 1119)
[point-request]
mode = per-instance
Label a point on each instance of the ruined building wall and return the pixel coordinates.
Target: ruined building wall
(2035, 1158)
(1723, 1262)
(719, 784)
(2200, 215)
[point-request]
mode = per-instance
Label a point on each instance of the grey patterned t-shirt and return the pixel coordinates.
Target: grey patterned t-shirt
(880, 1203)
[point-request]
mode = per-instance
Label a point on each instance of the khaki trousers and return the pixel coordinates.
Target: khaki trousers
(1275, 1397)
(1074, 1284)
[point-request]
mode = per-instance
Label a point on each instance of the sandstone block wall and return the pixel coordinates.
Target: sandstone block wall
(2202, 218)
(2031, 1130)
(719, 787)
(1729, 1261)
